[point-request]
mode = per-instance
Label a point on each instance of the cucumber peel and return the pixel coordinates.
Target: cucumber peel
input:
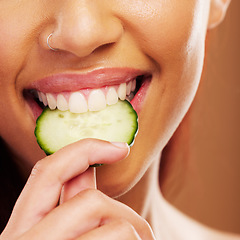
(56, 129)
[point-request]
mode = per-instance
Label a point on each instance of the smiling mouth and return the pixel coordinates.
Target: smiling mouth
(86, 99)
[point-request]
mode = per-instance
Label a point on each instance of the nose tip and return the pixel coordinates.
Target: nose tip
(83, 29)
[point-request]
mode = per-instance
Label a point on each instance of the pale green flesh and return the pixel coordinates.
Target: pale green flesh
(56, 129)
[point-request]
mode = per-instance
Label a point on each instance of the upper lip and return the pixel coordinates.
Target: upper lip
(94, 79)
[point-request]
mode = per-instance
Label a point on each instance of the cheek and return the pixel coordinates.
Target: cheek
(11, 47)
(18, 23)
(166, 30)
(174, 38)
(7, 40)
(175, 42)
(16, 41)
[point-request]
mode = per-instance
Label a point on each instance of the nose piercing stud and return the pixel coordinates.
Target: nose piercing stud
(48, 38)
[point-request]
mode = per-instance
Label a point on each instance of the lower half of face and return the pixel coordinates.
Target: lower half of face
(163, 40)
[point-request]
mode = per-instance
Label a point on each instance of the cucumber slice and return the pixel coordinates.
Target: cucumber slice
(56, 129)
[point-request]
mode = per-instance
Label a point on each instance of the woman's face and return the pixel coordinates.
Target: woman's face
(162, 40)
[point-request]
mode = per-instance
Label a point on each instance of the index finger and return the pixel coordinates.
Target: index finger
(42, 191)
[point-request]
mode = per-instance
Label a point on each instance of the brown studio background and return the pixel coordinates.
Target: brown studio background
(207, 185)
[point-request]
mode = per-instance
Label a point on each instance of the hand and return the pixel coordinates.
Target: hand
(83, 212)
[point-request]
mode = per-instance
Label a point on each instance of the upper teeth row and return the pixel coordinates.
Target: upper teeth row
(91, 100)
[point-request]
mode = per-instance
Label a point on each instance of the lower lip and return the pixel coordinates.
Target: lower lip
(137, 101)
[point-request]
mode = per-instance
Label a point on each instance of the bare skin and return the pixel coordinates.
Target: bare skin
(64, 198)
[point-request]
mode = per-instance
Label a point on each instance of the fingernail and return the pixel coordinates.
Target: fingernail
(120, 144)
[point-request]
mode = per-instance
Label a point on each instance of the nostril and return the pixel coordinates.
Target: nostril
(103, 47)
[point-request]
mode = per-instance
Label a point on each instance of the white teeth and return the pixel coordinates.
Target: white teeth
(122, 90)
(62, 103)
(52, 103)
(96, 100)
(39, 96)
(44, 99)
(77, 103)
(129, 87)
(133, 85)
(112, 96)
